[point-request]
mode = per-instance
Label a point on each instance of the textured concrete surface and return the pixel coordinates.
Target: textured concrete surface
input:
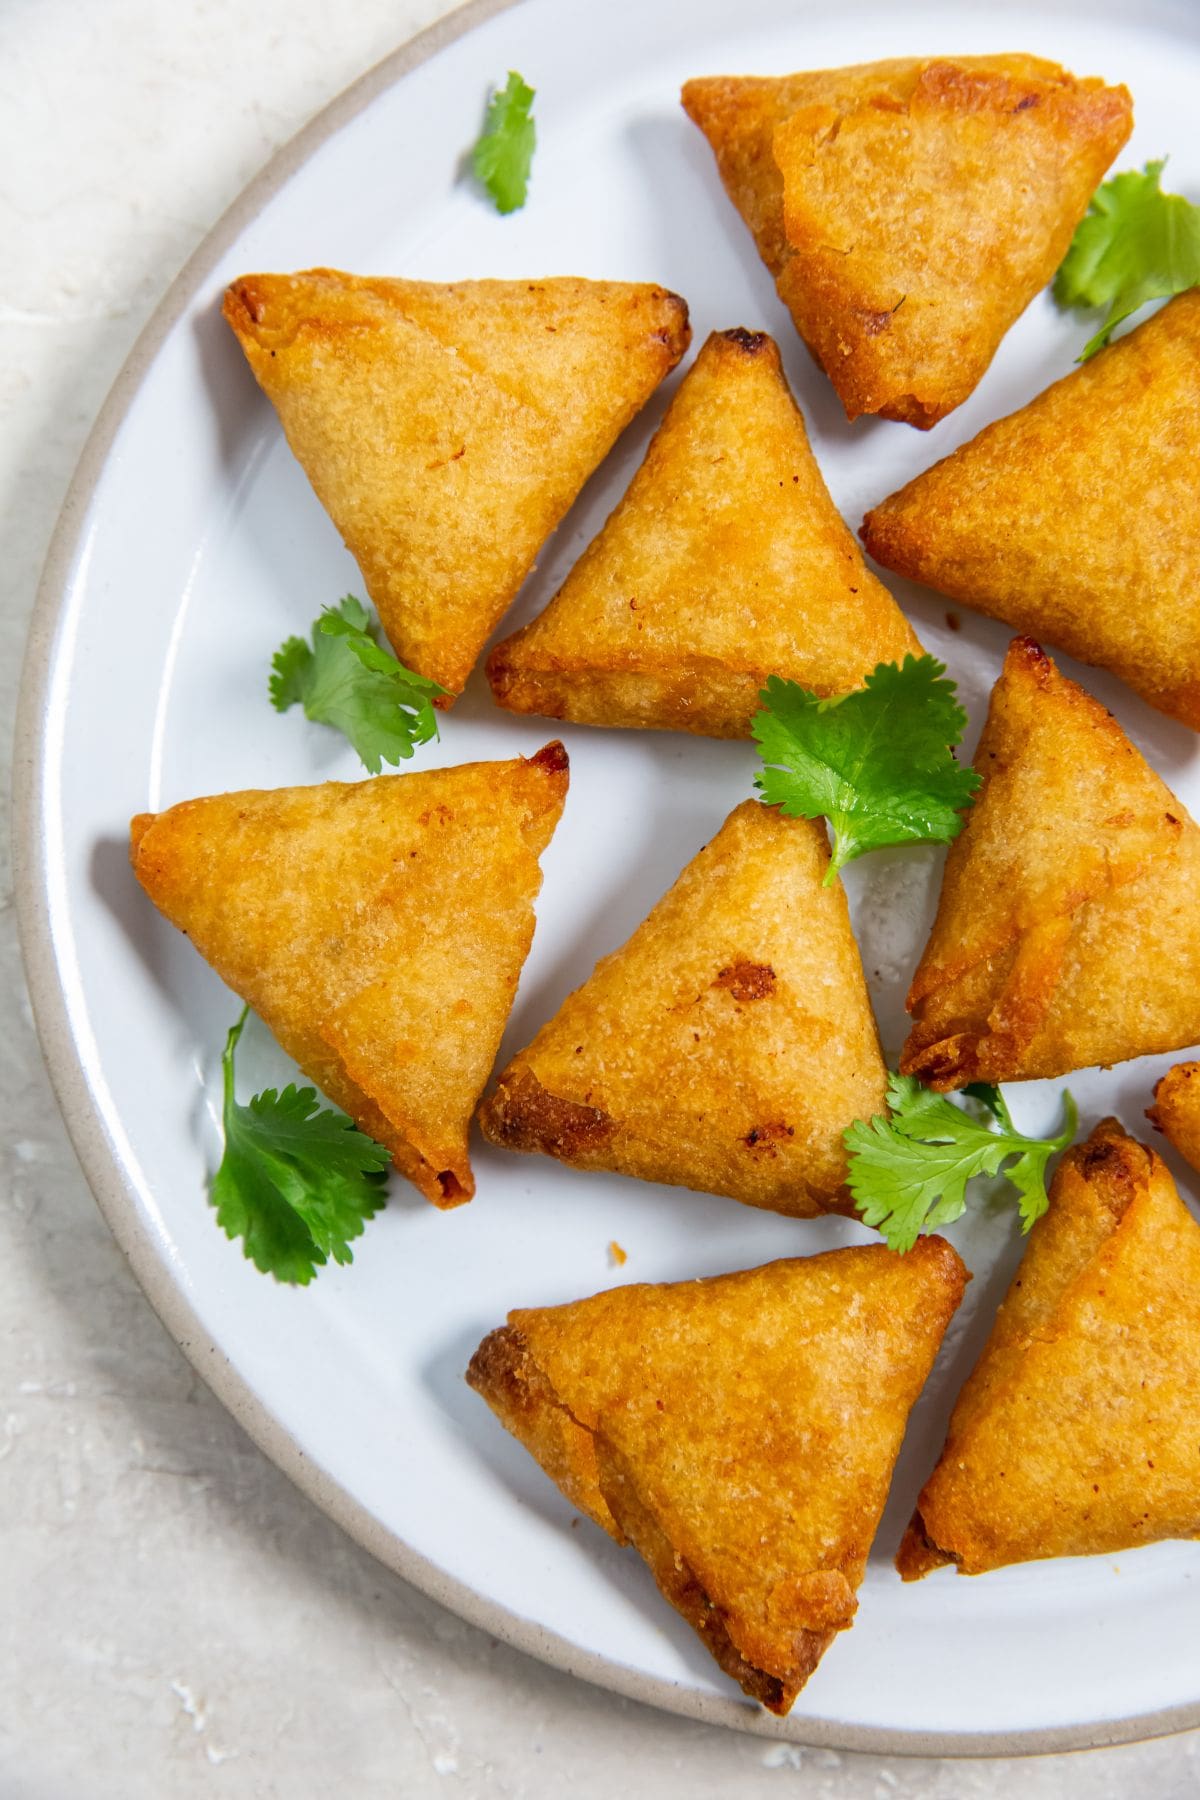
(175, 1619)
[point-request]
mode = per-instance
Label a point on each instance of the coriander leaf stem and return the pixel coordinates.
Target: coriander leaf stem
(232, 1040)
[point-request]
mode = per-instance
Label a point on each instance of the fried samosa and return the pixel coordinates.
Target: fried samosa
(726, 1046)
(910, 210)
(447, 428)
(739, 1432)
(1176, 1109)
(1074, 519)
(377, 927)
(725, 563)
(1076, 1433)
(1067, 932)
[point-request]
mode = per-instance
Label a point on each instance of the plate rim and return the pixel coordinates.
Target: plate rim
(101, 1166)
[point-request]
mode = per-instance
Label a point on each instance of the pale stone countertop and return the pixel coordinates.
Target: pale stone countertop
(176, 1618)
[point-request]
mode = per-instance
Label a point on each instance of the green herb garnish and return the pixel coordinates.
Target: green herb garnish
(1134, 244)
(347, 680)
(908, 1173)
(501, 159)
(877, 763)
(297, 1181)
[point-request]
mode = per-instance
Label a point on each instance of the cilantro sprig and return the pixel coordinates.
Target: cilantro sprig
(908, 1173)
(502, 157)
(297, 1181)
(1134, 244)
(345, 678)
(877, 763)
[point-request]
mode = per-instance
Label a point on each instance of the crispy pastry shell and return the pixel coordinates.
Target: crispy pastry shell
(378, 928)
(739, 1432)
(1067, 932)
(1076, 1433)
(446, 428)
(725, 563)
(726, 1046)
(910, 210)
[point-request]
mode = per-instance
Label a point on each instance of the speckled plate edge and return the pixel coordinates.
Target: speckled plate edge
(98, 1156)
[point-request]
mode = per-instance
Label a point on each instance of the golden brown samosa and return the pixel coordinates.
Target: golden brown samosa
(378, 927)
(724, 563)
(1076, 1433)
(1074, 519)
(910, 210)
(1176, 1109)
(1068, 931)
(447, 428)
(726, 1046)
(739, 1432)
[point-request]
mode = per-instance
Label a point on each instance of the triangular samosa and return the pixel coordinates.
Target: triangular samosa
(740, 1432)
(1076, 1433)
(377, 927)
(1075, 518)
(447, 428)
(910, 210)
(1068, 930)
(1176, 1109)
(725, 563)
(726, 1046)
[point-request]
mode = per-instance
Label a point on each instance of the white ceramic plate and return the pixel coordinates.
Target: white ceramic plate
(191, 545)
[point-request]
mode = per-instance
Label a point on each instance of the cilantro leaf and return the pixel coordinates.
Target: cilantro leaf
(297, 1181)
(501, 159)
(909, 1173)
(290, 665)
(1134, 244)
(347, 680)
(877, 763)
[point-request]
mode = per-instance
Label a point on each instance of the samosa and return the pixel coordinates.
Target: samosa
(910, 210)
(1076, 1433)
(726, 1046)
(1176, 1109)
(1074, 519)
(1067, 932)
(739, 1432)
(724, 563)
(377, 927)
(446, 428)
